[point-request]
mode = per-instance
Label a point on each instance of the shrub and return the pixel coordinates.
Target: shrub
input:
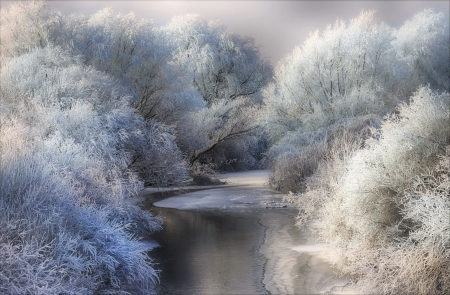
(65, 225)
(383, 209)
(294, 158)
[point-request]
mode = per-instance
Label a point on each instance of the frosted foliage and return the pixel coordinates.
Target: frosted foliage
(158, 160)
(68, 136)
(345, 139)
(295, 157)
(423, 43)
(53, 239)
(84, 106)
(26, 24)
(222, 65)
(222, 122)
(351, 70)
(137, 53)
(228, 73)
(377, 231)
(344, 72)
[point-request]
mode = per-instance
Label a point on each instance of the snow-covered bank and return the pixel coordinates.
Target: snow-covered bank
(243, 190)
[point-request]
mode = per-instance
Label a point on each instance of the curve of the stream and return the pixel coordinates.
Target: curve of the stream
(230, 240)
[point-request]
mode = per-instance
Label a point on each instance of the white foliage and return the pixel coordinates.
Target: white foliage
(65, 138)
(423, 44)
(377, 232)
(223, 65)
(138, 53)
(345, 72)
(25, 25)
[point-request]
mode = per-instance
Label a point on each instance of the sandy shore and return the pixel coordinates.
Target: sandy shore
(296, 262)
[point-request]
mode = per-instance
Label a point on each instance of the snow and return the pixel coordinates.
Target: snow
(314, 248)
(244, 190)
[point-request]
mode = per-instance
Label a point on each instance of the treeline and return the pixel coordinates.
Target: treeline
(358, 127)
(92, 109)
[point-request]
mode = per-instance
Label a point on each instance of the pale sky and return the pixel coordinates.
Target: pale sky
(277, 26)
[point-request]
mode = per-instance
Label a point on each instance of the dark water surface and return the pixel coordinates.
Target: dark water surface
(209, 252)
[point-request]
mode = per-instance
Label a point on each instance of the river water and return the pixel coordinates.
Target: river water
(210, 253)
(241, 248)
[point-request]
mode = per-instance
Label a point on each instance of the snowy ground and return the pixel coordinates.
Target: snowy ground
(296, 262)
(243, 190)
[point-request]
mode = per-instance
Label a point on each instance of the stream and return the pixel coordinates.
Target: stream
(224, 241)
(210, 253)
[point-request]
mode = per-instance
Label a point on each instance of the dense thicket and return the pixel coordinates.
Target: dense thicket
(229, 74)
(93, 108)
(350, 71)
(359, 127)
(66, 227)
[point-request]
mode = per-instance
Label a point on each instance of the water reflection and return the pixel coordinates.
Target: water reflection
(210, 252)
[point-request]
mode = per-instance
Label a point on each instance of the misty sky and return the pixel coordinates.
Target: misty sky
(277, 26)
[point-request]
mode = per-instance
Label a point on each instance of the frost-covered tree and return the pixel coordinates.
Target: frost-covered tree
(221, 122)
(25, 25)
(80, 103)
(137, 53)
(229, 73)
(66, 130)
(423, 43)
(352, 70)
(344, 72)
(222, 65)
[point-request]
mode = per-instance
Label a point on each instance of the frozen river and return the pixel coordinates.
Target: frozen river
(225, 241)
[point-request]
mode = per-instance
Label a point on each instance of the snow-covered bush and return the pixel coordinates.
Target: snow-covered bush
(53, 238)
(419, 261)
(344, 138)
(294, 158)
(68, 138)
(382, 212)
(157, 158)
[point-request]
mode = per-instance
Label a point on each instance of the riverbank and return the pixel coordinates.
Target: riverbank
(293, 261)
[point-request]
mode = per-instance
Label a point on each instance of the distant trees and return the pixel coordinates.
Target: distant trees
(26, 25)
(229, 74)
(223, 66)
(423, 47)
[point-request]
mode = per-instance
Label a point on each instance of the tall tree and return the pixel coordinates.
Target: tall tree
(228, 72)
